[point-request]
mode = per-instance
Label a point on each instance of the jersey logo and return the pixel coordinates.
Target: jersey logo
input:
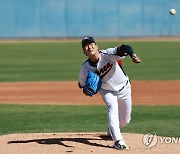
(104, 70)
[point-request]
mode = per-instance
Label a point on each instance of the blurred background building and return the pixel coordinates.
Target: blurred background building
(99, 18)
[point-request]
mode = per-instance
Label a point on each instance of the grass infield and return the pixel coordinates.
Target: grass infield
(164, 120)
(54, 61)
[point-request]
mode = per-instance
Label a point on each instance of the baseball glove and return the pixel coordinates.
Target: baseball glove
(92, 85)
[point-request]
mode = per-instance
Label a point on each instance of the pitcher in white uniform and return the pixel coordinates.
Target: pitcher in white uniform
(116, 87)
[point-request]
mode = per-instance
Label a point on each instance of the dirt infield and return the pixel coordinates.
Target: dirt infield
(143, 93)
(37, 40)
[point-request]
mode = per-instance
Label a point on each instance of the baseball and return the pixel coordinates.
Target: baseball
(172, 11)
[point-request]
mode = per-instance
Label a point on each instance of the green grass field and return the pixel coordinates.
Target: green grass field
(52, 61)
(164, 120)
(59, 61)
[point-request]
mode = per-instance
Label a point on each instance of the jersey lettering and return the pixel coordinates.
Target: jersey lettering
(104, 70)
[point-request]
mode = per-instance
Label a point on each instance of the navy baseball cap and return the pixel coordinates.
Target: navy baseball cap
(87, 39)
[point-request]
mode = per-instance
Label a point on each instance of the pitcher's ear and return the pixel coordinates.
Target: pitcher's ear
(85, 53)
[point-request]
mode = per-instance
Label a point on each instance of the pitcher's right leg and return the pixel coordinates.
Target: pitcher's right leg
(113, 114)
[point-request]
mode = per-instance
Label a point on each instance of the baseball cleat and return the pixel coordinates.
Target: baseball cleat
(119, 146)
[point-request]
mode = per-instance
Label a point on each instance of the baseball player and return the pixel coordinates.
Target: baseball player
(116, 87)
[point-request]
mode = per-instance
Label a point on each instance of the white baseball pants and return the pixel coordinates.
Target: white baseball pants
(119, 109)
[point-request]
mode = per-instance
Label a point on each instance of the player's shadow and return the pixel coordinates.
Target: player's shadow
(59, 141)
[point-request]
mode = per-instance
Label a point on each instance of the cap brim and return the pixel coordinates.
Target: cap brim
(87, 40)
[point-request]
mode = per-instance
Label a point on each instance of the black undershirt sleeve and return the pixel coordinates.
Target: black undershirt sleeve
(124, 50)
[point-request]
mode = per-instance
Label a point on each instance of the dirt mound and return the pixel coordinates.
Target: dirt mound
(77, 143)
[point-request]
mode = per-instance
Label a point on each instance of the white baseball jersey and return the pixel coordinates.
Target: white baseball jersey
(115, 89)
(112, 75)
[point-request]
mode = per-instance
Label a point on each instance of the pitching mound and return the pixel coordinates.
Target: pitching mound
(77, 143)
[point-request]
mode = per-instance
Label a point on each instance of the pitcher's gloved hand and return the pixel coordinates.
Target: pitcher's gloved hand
(92, 85)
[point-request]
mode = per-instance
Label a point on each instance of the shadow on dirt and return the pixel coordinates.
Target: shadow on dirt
(59, 141)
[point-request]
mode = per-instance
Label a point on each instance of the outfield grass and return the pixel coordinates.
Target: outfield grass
(164, 120)
(59, 61)
(55, 61)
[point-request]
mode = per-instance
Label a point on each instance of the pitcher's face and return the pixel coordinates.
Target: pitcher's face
(90, 49)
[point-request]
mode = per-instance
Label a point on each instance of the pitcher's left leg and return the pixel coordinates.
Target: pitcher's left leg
(125, 106)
